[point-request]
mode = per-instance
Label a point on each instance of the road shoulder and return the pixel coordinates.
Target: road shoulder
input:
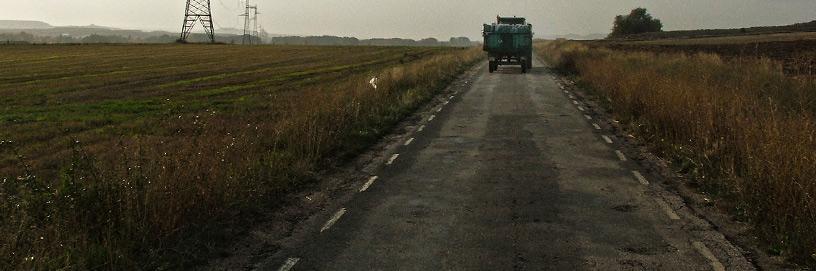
(679, 190)
(289, 225)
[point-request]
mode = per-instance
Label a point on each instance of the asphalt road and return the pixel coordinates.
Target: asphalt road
(511, 175)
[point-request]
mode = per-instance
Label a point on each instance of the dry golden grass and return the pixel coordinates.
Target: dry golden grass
(745, 130)
(159, 193)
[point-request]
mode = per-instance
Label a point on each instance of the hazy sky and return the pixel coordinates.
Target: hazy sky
(415, 18)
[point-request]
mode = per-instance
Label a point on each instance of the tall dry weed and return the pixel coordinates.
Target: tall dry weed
(742, 127)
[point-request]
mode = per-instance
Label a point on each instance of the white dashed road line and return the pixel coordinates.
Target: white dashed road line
(715, 264)
(421, 128)
(432, 117)
(291, 262)
(620, 155)
(640, 177)
(392, 159)
(581, 108)
(607, 139)
(410, 140)
(368, 183)
(572, 97)
(575, 102)
(439, 110)
(669, 211)
(588, 117)
(333, 219)
(597, 127)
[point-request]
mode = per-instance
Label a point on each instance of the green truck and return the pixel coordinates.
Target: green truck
(509, 41)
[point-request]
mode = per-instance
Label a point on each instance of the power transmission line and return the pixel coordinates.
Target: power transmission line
(197, 11)
(250, 15)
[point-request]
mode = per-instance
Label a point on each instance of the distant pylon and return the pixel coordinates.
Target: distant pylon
(197, 10)
(250, 24)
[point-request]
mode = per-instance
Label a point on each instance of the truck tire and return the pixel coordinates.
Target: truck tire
(530, 61)
(524, 67)
(491, 66)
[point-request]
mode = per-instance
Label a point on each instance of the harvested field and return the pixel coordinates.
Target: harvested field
(52, 94)
(796, 52)
(136, 156)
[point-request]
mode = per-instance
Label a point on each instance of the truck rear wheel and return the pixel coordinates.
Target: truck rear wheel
(530, 59)
(491, 66)
(524, 66)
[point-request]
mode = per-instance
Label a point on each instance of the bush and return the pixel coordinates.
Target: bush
(638, 21)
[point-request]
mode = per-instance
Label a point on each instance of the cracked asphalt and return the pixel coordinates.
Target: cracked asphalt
(510, 175)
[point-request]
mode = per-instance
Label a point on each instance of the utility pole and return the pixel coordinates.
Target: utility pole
(197, 10)
(250, 23)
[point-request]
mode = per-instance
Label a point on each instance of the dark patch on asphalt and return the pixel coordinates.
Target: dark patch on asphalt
(626, 208)
(519, 183)
(649, 248)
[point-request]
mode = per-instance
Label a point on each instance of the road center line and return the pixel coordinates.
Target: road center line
(581, 108)
(451, 97)
(368, 183)
(432, 117)
(607, 139)
(620, 155)
(588, 117)
(439, 110)
(446, 102)
(333, 219)
(391, 160)
(702, 249)
(421, 128)
(291, 262)
(572, 97)
(575, 102)
(410, 140)
(640, 177)
(669, 211)
(597, 127)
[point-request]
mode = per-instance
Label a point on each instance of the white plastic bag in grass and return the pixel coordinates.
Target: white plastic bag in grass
(373, 82)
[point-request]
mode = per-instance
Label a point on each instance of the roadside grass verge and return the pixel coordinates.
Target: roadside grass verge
(153, 189)
(741, 127)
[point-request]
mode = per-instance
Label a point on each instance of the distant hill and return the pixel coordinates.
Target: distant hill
(19, 24)
(701, 33)
(92, 26)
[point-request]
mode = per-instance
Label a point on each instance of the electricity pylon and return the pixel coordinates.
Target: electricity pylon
(250, 23)
(197, 10)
